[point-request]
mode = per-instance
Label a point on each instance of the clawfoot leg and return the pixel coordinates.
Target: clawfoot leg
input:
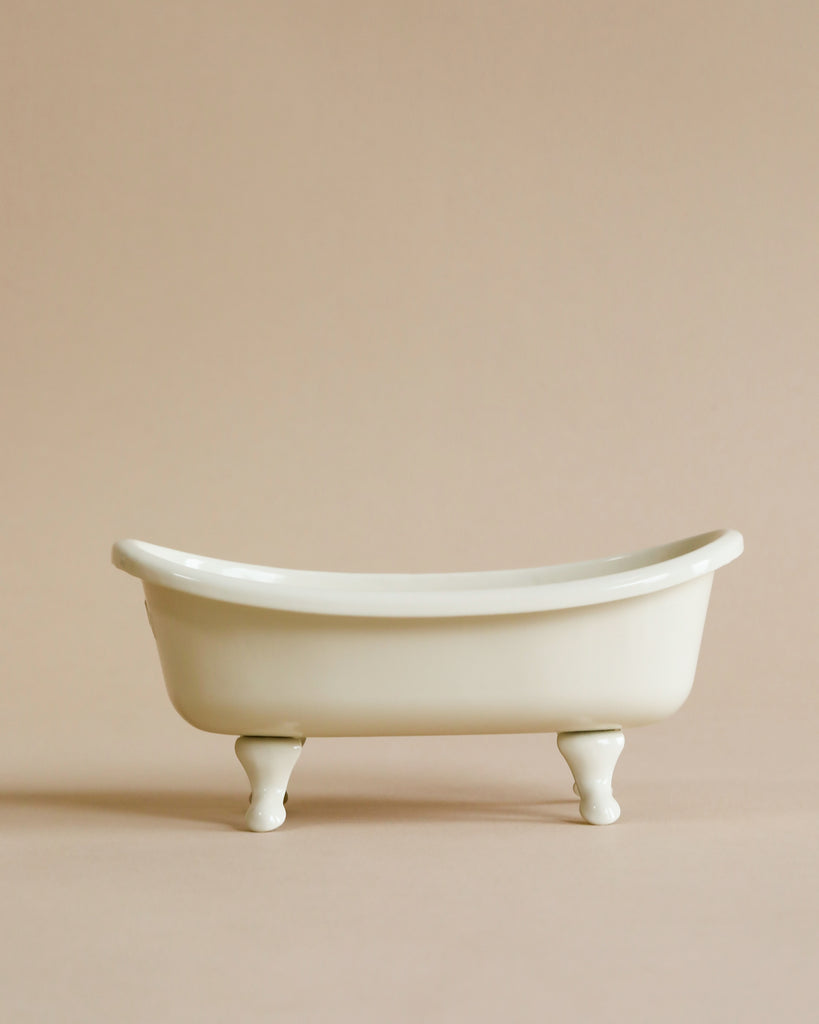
(268, 761)
(592, 757)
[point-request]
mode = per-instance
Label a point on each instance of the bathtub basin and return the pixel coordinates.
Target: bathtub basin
(583, 650)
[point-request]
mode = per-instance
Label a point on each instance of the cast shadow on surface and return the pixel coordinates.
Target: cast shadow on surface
(31, 809)
(645, 803)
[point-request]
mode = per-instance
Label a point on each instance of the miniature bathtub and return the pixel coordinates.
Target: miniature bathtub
(582, 650)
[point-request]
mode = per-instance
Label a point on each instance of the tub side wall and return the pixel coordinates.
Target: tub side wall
(250, 671)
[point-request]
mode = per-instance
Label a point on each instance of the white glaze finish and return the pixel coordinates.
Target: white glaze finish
(497, 592)
(274, 653)
(269, 762)
(260, 672)
(591, 756)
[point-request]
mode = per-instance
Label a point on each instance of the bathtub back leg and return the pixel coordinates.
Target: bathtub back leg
(592, 757)
(268, 761)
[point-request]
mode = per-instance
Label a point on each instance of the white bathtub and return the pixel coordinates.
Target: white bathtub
(276, 655)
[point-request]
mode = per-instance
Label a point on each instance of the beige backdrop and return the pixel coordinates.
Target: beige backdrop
(406, 286)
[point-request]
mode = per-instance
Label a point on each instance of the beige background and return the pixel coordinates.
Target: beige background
(412, 286)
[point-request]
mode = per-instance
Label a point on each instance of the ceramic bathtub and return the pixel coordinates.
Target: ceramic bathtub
(276, 655)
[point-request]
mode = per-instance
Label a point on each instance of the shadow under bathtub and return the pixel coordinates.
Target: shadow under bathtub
(26, 810)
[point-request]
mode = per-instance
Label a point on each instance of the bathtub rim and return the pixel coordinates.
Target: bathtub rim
(490, 592)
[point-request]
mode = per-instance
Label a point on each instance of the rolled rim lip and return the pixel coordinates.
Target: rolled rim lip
(430, 595)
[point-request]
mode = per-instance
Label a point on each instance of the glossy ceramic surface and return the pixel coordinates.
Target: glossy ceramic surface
(277, 655)
(497, 592)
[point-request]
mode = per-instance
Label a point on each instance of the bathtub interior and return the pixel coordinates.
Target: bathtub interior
(494, 592)
(392, 582)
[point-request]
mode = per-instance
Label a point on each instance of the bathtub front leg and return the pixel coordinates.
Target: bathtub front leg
(268, 761)
(592, 757)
